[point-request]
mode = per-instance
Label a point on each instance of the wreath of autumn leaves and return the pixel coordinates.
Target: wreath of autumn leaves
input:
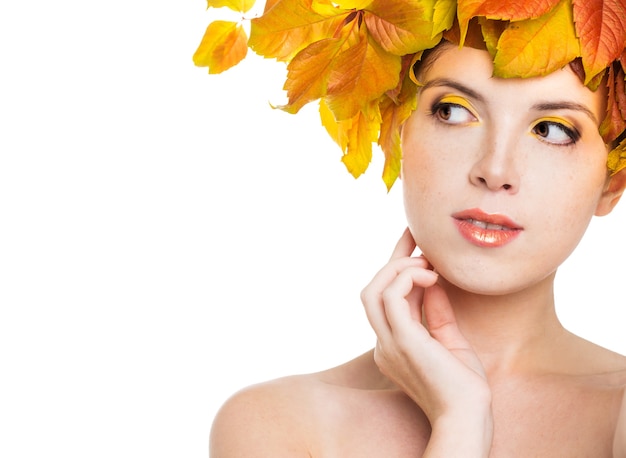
(355, 56)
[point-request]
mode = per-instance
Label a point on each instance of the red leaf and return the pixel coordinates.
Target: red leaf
(601, 27)
(510, 10)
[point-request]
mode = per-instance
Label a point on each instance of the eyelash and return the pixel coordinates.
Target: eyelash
(437, 106)
(572, 133)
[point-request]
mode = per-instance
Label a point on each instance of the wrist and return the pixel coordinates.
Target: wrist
(465, 434)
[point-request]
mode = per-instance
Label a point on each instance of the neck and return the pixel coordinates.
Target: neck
(514, 333)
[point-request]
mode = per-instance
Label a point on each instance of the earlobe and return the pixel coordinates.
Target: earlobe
(612, 193)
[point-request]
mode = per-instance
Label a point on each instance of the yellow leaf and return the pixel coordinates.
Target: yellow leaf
(401, 27)
(491, 32)
(443, 18)
(326, 8)
(412, 68)
(353, 4)
(616, 160)
(224, 45)
(363, 131)
(290, 26)
(536, 47)
(240, 6)
(361, 73)
(338, 131)
(354, 136)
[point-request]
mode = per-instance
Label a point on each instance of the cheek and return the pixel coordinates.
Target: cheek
(433, 167)
(423, 158)
(426, 184)
(566, 207)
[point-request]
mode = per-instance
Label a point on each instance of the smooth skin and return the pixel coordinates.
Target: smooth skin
(471, 359)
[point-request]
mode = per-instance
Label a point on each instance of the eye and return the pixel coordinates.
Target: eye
(453, 110)
(555, 132)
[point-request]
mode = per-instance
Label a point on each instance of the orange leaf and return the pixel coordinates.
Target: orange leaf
(240, 6)
(389, 139)
(474, 36)
(290, 26)
(401, 26)
(269, 4)
(620, 92)
(224, 45)
(510, 10)
(394, 114)
(536, 47)
(309, 71)
(601, 26)
(361, 73)
(614, 123)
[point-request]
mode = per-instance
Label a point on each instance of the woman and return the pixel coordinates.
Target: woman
(501, 177)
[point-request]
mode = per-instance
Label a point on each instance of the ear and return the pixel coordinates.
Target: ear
(612, 193)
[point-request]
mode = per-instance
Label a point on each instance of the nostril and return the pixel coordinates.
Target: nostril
(505, 186)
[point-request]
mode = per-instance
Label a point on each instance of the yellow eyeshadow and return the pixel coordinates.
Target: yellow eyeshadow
(457, 100)
(556, 120)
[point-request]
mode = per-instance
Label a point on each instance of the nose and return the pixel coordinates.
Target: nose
(495, 168)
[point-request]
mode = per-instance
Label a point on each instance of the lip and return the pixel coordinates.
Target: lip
(489, 230)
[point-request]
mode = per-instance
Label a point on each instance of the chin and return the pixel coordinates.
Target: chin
(490, 280)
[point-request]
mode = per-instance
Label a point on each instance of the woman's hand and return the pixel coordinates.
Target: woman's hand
(421, 349)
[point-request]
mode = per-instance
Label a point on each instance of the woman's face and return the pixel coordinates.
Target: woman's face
(501, 176)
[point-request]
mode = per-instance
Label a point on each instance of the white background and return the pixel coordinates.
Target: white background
(166, 238)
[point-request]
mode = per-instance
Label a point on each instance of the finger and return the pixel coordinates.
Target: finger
(372, 294)
(440, 319)
(375, 313)
(404, 296)
(405, 246)
(387, 274)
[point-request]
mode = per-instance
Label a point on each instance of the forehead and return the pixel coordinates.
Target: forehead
(474, 68)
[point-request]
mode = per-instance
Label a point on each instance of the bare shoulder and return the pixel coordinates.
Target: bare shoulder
(610, 375)
(619, 443)
(584, 357)
(285, 417)
(263, 420)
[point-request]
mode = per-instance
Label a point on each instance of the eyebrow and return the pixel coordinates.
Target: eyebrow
(551, 106)
(439, 82)
(544, 106)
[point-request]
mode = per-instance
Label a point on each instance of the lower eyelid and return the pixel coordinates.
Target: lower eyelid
(566, 128)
